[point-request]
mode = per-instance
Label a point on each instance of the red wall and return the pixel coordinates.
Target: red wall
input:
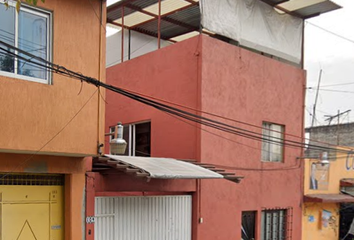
(169, 74)
(220, 78)
(242, 85)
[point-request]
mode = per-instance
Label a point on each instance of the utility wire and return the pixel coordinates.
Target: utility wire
(333, 85)
(229, 119)
(333, 90)
(186, 115)
(242, 144)
(330, 32)
(163, 107)
(52, 138)
(97, 16)
(61, 70)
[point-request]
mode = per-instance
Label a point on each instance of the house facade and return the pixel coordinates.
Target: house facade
(50, 123)
(328, 198)
(207, 76)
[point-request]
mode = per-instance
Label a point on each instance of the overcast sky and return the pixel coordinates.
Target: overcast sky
(335, 56)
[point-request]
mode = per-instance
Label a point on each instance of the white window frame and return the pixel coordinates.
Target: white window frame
(271, 131)
(131, 143)
(132, 133)
(41, 13)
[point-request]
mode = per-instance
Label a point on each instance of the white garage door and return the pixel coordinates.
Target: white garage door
(143, 218)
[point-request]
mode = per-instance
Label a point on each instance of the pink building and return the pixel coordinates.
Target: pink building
(258, 89)
(215, 77)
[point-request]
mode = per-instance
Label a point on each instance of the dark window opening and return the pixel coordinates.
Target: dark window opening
(248, 225)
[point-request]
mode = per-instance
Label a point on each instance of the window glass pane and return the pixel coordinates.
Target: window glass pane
(263, 226)
(265, 144)
(275, 225)
(277, 148)
(32, 38)
(282, 225)
(268, 226)
(126, 138)
(142, 139)
(272, 150)
(7, 35)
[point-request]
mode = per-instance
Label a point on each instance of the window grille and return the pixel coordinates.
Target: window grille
(32, 179)
(276, 224)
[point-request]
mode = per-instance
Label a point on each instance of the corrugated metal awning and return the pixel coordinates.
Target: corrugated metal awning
(329, 198)
(162, 168)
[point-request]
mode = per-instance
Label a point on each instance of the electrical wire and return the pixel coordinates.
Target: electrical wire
(53, 137)
(242, 144)
(330, 32)
(99, 18)
(191, 117)
(163, 107)
(334, 90)
(226, 118)
(275, 140)
(333, 85)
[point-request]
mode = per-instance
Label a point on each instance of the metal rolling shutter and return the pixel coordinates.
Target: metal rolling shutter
(143, 218)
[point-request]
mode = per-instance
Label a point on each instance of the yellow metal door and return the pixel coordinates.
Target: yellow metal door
(32, 212)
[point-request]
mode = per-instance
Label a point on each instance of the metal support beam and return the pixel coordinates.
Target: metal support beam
(159, 27)
(122, 49)
(162, 16)
(165, 17)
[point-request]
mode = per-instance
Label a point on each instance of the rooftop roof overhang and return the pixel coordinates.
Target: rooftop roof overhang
(177, 20)
(303, 8)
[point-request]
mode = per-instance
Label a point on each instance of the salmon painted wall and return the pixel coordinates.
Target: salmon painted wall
(242, 85)
(169, 74)
(32, 113)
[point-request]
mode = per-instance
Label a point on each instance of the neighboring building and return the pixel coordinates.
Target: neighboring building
(330, 135)
(328, 209)
(50, 123)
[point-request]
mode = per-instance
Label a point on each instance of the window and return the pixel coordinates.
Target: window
(273, 224)
(28, 30)
(273, 142)
(248, 225)
(137, 137)
(319, 176)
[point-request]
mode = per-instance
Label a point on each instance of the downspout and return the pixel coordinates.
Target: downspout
(122, 45)
(99, 73)
(159, 27)
(302, 159)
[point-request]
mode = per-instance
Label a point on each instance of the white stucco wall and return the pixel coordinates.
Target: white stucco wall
(140, 45)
